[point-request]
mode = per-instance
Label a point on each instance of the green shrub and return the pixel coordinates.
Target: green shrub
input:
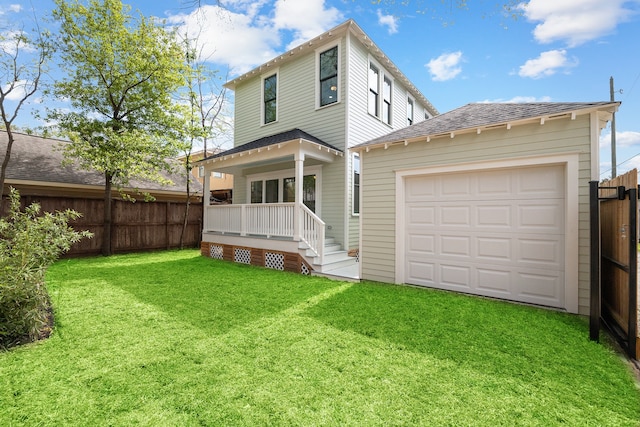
(29, 243)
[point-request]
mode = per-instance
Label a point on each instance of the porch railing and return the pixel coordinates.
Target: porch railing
(268, 220)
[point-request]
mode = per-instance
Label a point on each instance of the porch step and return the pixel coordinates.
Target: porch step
(336, 263)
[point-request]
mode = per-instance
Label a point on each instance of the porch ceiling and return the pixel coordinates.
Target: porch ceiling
(280, 148)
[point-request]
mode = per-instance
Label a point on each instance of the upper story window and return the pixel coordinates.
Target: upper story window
(374, 91)
(328, 74)
(386, 100)
(409, 111)
(270, 98)
(380, 93)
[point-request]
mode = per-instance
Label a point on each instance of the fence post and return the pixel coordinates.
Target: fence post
(594, 210)
(633, 271)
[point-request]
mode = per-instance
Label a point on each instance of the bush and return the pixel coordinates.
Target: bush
(29, 243)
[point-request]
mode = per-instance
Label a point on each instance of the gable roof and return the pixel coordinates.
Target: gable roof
(334, 34)
(483, 116)
(290, 135)
(39, 160)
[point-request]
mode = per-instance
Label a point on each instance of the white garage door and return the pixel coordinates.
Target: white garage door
(497, 233)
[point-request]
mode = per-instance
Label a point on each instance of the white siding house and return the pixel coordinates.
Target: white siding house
(296, 119)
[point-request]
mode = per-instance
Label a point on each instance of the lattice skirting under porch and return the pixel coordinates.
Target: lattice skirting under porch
(284, 261)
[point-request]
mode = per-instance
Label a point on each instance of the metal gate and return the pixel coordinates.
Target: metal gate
(614, 265)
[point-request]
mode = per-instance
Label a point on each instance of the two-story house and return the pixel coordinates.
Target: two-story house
(296, 180)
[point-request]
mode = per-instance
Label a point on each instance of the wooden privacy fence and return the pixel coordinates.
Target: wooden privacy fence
(138, 226)
(614, 265)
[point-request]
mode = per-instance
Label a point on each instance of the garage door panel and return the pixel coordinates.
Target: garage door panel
(423, 244)
(540, 182)
(492, 184)
(494, 282)
(454, 186)
(494, 216)
(541, 253)
(458, 246)
(541, 217)
(497, 233)
(421, 273)
(537, 288)
(421, 215)
(459, 216)
(494, 249)
(455, 276)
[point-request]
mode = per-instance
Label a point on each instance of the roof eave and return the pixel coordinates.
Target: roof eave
(610, 108)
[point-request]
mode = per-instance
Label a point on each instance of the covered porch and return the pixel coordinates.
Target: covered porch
(277, 198)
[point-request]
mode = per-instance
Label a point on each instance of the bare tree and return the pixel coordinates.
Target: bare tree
(22, 65)
(204, 101)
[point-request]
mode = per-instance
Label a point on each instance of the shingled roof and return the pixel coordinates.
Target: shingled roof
(290, 135)
(482, 115)
(38, 159)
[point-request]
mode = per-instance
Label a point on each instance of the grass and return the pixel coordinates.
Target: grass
(176, 339)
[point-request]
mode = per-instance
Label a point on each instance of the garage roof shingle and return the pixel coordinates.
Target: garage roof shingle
(478, 115)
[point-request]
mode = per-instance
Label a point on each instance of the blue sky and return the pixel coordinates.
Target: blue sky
(556, 50)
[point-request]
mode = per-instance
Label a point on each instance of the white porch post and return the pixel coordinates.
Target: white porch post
(297, 223)
(206, 198)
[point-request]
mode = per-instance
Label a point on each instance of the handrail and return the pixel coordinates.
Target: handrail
(312, 231)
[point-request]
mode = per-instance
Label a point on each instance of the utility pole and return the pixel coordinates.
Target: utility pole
(613, 132)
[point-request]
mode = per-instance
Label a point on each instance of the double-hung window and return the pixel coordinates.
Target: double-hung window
(374, 90)
(328, 73)
(380, 93)
(386, 100)
(270, 98)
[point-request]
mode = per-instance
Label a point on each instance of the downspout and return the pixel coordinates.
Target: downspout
(347, 181)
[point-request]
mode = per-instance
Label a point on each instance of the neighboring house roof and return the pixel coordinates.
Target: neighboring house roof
(290, 135)
(38, 160)
(484, 116)
(311, 45)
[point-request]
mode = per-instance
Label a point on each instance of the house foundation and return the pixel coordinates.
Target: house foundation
(276, 260)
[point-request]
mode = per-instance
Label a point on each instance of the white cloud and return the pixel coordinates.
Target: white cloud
(231, 38)
(575, 21)
(624, 139)
(519, 100)
(246, 33)
(445, 67)
(547, 64)
(18, 91)
(306, 19)
(15, 8)
(390, 21)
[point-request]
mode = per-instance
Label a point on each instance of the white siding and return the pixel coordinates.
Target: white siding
(378, 177)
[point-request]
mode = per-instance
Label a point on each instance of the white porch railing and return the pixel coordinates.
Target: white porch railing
(268, 220)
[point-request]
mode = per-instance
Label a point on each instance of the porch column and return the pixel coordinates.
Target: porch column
(206, 198)
(297, 223)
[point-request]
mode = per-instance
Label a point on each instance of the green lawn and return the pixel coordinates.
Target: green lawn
(176, 339)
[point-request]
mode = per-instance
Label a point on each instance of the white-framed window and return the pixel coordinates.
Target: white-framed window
(386, 100)
(355, 194)
(328, 65)
(410, 107)
(269, 98)
(374, 90)
(279, 187)
(380, 93)
(219, 175)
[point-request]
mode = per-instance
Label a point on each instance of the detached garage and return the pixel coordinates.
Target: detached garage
(487, 199)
